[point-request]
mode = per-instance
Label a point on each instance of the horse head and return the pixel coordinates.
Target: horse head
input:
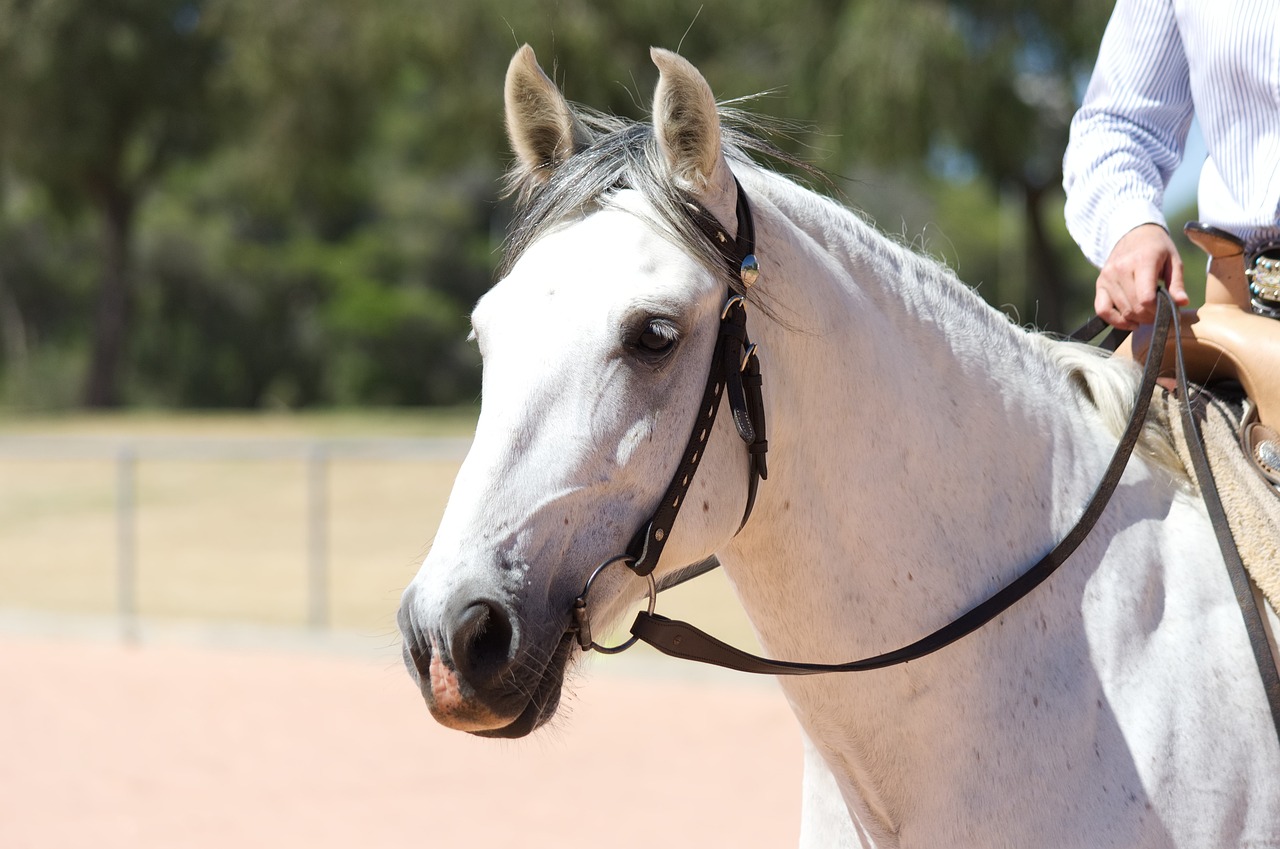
(595, 344)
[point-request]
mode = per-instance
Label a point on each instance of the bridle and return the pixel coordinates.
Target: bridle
(735, 372)
(735, 369)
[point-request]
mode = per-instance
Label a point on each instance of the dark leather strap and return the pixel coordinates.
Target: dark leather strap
(682, 640)
(735, 371)
(1241, 584)
(646, 547)
(1093, 327)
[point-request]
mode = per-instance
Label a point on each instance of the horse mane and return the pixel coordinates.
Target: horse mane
(624, 154)
(1109, 385)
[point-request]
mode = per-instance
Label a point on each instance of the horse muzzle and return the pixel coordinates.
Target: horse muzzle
(475, 674)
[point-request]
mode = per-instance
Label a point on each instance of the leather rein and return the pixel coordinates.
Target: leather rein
(736, 367)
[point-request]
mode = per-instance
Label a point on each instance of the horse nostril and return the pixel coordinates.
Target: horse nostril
(481, 641)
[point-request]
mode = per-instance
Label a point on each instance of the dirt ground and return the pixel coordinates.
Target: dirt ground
(177, 745)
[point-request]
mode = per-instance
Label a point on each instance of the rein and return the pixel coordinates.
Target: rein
(742, 376)
(682, 640)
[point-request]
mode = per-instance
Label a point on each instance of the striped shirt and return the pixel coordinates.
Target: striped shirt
(1160, 61)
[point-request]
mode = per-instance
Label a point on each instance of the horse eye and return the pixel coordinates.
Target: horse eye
(656, 337)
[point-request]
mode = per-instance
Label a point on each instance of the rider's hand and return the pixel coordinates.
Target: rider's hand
(1126, 294)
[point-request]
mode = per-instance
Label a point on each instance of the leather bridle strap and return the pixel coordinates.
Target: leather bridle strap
(735, 371)
(682, 640)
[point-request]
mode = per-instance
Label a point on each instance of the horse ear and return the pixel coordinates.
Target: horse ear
(541, 126)
(687, 125)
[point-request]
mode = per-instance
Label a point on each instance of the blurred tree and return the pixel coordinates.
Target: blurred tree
(97, 99)
(331, 253)
(983, 87)
(321, 177)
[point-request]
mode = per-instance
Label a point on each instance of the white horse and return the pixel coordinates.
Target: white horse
(923, 451)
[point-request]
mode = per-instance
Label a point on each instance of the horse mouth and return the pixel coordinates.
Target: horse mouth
(544, 699)
(509, 707)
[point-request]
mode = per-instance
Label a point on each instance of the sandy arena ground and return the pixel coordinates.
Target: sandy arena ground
(184, 746)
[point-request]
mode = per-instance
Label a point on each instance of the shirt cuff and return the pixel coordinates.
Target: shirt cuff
(1125, 216)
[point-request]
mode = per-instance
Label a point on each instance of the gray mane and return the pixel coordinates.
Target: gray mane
(624, 155)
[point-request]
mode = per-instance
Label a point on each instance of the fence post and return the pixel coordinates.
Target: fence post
(317, 536)
(126, 519)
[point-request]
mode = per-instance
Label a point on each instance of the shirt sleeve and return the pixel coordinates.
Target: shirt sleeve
(1129, 134)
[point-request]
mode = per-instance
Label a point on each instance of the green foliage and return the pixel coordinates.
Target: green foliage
(306, 191)
(86, 109)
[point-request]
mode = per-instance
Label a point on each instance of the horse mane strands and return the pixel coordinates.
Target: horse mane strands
(624, 154)
(1109, 385)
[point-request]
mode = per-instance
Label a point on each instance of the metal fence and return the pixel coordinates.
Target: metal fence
(316, 454)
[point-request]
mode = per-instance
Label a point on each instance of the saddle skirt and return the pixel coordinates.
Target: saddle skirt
(1251, 503)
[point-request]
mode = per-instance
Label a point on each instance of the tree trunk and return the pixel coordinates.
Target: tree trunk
(1049, 286)
(115, 301)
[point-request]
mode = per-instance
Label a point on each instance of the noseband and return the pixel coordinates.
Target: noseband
(735, 371)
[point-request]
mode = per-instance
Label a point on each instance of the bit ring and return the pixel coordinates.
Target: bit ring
(582, 619)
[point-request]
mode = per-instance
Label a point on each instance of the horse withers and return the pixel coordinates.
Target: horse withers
(922, 451)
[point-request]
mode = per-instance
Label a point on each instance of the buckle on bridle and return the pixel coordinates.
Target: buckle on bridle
(733, 301)
(582, 618)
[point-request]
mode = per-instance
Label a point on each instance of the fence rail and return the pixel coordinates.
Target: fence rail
(316, 454)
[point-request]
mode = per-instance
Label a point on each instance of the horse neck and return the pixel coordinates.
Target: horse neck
(918, 440)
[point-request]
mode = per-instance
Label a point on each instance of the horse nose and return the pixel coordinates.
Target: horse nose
(417, 649)
(480, 641)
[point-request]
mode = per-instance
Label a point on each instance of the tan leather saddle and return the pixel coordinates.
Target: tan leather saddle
(1226, 340)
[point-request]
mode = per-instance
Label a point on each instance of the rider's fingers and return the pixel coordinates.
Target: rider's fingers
(1142, 303)
(1106, 306)
(1177, 286)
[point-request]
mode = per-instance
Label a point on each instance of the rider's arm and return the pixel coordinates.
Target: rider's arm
(1128, 136)
(1126, 141)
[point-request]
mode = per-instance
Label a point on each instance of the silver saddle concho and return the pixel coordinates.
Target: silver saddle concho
(1234, 336)
(1262, 268)
(1261, 441)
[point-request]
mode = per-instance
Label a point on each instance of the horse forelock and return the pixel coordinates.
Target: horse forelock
(625, 155)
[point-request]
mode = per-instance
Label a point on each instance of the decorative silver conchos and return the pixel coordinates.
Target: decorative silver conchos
(750, 271)
(1268, 454)
(1264, 277)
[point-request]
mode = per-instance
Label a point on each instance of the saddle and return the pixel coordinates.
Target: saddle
(1226, 340)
